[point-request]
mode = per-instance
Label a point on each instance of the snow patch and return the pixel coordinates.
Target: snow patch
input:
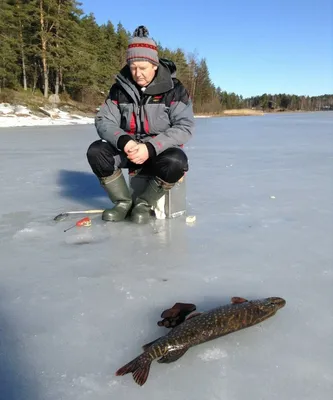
(213, 354)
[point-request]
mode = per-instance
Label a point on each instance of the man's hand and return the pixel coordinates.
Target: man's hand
(129, 145)
(138, 154)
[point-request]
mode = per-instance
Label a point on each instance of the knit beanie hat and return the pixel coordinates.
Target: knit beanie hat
(141, 47)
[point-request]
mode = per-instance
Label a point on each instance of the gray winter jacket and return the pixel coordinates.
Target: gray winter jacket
(162, 116)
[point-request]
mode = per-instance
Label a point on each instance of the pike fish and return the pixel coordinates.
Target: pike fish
(199, 328)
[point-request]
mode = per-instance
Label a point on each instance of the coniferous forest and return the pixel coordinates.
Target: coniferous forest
(51, 47)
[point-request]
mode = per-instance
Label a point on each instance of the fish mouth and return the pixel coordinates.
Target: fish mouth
(279, 302)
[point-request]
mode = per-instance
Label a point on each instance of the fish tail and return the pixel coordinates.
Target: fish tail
(139, 367)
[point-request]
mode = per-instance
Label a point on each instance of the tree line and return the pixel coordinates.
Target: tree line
(53, 47)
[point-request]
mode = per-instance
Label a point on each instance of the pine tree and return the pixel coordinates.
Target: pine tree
(122, 42)
(9, 66)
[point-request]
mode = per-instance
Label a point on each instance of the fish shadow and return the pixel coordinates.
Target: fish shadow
(17, 380)
(83, 187)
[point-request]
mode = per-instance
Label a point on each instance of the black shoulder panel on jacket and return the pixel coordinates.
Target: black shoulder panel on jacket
(180, 92)
(113, 93)
(118, 94)
(177, 94)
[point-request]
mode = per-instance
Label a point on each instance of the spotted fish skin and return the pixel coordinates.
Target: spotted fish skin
(201, 328)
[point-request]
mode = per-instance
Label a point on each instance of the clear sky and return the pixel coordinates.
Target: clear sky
(251, 47)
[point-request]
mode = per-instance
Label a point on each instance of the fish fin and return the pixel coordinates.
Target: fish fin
(195, 314)
(172, 356)
(238, 300)
(139, 368)
(147, 345)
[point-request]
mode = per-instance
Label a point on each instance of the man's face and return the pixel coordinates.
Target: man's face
(143, 72)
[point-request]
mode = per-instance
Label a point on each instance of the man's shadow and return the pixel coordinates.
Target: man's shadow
(17, 379)
(84, 188)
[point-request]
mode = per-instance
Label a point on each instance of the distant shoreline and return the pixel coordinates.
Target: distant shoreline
(246, 112)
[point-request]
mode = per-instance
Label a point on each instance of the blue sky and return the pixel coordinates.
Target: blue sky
(251, 47)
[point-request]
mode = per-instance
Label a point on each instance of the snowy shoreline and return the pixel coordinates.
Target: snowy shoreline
(18, 115)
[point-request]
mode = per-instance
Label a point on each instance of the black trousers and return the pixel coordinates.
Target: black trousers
(170, 165)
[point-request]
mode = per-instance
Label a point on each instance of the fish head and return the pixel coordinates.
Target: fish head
(271, 305)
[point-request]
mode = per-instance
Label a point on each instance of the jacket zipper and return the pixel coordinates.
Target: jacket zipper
(141, 103)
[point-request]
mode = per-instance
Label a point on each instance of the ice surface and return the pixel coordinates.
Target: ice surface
(76, 306)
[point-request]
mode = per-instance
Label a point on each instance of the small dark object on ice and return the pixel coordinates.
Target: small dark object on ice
(176, 315)
(61, 217)
(192, 329)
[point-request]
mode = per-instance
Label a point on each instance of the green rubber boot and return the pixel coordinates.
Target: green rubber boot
(156, 188)
(118, 192)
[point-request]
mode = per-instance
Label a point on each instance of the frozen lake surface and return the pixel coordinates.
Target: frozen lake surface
(76, 306)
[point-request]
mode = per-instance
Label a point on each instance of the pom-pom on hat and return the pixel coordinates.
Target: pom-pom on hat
(141, 47)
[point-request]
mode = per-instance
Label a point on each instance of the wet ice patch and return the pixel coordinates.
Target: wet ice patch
(213, 354)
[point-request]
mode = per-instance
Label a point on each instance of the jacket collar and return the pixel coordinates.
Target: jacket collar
(160, 84)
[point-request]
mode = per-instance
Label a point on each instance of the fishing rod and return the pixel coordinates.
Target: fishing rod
(64, 215)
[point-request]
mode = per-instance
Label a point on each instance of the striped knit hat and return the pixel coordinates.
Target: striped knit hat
(142, 48)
